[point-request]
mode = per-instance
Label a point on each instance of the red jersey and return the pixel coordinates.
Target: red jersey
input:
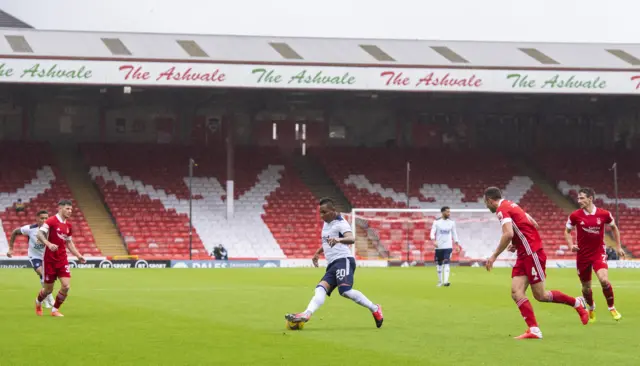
(526, 238)
(58, 232)
(590, 231)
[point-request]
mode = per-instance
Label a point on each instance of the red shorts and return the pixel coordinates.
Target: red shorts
(55, 270)
(533, 266)
(586, 265)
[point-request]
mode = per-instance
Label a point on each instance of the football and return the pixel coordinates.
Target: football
(294, 325)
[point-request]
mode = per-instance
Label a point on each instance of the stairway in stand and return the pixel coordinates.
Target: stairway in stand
(551, 191)
(316, 179)
(314, 176)
(86, 195)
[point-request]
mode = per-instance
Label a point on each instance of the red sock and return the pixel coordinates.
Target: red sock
(59, 300)
(527, 312)
(562, 298)
(588, 296)
(41, 295)
(608, 294)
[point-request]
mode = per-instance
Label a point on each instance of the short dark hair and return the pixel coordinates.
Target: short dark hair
(493, 193)
(444, 208)
(326, 201)
(42, 212)
(65, 202)
(589, 192)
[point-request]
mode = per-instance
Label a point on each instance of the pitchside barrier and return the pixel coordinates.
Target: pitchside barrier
(92, 262)
(633, 263)
(103, 262)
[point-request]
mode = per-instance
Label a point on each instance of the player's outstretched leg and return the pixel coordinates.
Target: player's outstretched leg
(607, 291)
(558, 297)
(320, 294)
(359, 298)
(316, 302)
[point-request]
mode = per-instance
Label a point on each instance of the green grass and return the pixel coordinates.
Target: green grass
(235, 317)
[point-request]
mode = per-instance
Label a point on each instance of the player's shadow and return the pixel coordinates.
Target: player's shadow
(334, 329)
(607, 324)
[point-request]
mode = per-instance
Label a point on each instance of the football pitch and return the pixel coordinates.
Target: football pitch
(235, 317)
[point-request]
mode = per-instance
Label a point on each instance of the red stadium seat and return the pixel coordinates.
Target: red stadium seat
(572, 169)
(288, 211)
(32, 175)
(468, 172)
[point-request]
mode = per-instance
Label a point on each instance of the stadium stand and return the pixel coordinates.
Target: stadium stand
(32, 175)
(552, 220)
(571, 170)
(437, 178)
(146, 190)
(144, 185)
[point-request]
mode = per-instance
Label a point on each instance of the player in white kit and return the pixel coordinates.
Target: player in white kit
(36, 249)
(444, 234)
(337, 237)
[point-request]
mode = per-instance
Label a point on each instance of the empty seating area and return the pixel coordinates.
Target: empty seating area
(571, 170)
(146, 189)
(30, 173)
(291, 214)
(376, 178)
(408, 233)
(275, 215)
(552, 220)
(382, 175)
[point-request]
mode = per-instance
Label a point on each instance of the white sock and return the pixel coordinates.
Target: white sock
(53, 310)
(439, 269)
(447, 270)
(535, 330)
(317, 300)
(359, 298)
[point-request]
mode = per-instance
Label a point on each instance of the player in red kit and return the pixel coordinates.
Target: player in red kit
(590, 222)
(519, 229)
(55, 233)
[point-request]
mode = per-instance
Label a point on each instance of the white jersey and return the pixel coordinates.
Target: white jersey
(335, 229)
(36, 249)
(444, 233)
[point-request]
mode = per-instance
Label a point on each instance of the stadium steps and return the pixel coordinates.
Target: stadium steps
(562, 201)
(545, 185)
(314, 176)
(365, 248)
(107, 237)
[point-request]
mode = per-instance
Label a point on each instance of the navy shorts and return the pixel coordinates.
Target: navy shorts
(340, 274)
(35, 262)
(443, 255)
